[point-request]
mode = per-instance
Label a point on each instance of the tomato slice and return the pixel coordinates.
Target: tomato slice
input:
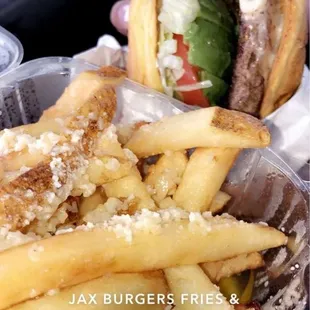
(190, 76)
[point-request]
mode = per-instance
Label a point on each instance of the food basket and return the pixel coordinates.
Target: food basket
(264, 188)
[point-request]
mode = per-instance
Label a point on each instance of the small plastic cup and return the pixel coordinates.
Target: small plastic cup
(11, 51)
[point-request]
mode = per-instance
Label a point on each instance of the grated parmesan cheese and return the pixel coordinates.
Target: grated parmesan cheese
(10, 239)
(62, 149)
(46, 142)
(52, 292)
(113, 164)
(131, 156)
(29, 193)
(105, 211)
(82, 185)
(50, 197)
(64, 231)
(7, 141)
(81, 122)
(92, 116)
(34, 252)
(152, 222)
(110, 133)
(29, 215)
(57, 168)
(77, 135)
(33, 293)
(24, 169)
(198, 221)
(15, 142)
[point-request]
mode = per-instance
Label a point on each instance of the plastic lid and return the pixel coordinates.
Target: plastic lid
(11, 51)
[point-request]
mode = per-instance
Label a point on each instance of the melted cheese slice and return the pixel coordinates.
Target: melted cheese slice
(251, 6)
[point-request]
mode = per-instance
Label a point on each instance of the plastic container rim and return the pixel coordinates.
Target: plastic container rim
(20, 51)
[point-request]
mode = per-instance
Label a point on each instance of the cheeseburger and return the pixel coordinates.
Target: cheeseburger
(248, 55)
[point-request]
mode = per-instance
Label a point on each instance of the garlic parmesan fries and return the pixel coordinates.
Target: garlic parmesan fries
(77, 213)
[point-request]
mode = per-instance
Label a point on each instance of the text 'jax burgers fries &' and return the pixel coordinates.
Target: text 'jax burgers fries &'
(247, 55)
(83, 211)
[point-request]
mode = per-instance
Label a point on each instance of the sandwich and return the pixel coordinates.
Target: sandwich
(245, 55)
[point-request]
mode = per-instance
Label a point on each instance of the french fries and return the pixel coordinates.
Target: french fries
(131, 186)
(190, 285)
(124, 224)
(203, 177)
(219, 202)
(210, 127)
(92, 111)
(166, 174)
(90, 87)
(226, 268)
(76, 257)
(109, 285)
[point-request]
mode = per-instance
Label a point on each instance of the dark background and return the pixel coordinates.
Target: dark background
(57, 27)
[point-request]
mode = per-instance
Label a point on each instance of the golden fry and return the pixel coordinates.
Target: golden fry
(76, 257)
(187, 281)
(219, 202)
(226, 268)
(89, 88)
(107, 169)
(203, 177)
(166, 174)
(133, 187)
(209, 127)
(90, 203)
(118, 284)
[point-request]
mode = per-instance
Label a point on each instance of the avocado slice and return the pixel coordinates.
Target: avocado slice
(218, 89)
(211, 40)
(216, 18)
(217, 6)
(209, 58)
(202, 31)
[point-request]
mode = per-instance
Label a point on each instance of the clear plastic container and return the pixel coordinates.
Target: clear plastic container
(11, 51)
(263, 187)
